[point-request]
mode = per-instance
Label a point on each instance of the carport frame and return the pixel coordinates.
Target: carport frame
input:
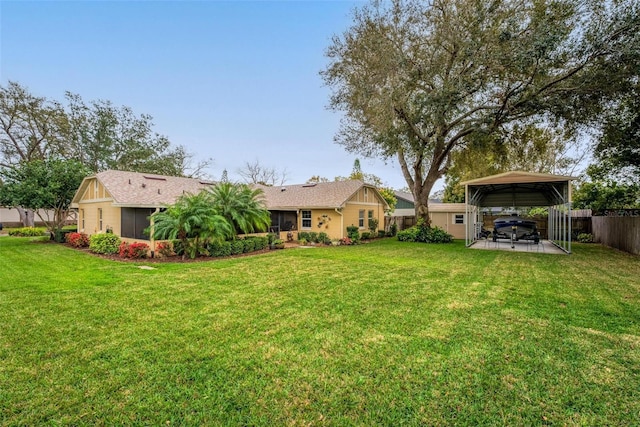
(517, 189)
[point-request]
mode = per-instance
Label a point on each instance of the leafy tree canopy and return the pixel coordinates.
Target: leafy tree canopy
(417, 79)
(43, 184)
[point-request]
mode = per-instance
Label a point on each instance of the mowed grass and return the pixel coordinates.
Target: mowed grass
(387, 333)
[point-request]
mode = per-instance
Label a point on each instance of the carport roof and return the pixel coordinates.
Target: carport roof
(517, 188)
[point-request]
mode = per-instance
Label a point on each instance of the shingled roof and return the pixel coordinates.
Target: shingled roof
(317, 195)
(134, 189)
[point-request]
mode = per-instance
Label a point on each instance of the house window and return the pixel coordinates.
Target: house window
(458, 218)
(306, 219)
(82, 219)
(361, 218)
(100, 219)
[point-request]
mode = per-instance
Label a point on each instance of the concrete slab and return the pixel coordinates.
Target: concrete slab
(545, 246)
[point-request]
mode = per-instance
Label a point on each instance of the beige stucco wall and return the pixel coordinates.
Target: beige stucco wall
(322, 221)
(446, 221)
(367, 201)
(96, 197)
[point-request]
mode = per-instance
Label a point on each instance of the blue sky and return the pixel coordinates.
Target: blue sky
(236, 81)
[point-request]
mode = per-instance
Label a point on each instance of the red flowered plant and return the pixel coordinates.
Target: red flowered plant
(133, 250)
(346, 241)
(78, 240)
(165, 249)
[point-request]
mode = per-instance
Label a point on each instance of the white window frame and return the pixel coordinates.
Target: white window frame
(361, 218)
(303, 218)
(82, 219)
(458, 216)
(100, 219)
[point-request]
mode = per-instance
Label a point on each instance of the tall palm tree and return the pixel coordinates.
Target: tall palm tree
(242, 206)
(193, 221)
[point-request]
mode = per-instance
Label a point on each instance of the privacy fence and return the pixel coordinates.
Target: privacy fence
(619, 228)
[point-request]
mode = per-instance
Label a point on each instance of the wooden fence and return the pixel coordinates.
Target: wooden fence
(617, 232)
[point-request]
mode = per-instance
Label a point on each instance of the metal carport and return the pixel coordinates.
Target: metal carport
(521, 189)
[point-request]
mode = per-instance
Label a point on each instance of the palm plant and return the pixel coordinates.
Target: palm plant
(193, 221)
(241, 206)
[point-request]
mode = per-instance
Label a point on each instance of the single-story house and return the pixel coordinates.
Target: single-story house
(122, 202)
(328, 207)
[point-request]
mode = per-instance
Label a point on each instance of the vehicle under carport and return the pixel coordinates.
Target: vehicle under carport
(521, 189)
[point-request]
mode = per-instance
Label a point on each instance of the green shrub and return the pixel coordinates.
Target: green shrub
(260, 243)
(353, 233)
(178, 247)
(271, 237)
(313, 237)
(27, 232)
(237, 247)
(219, 249)
(424, 234)
(249, 245)
(303, 235)
(381, 233)
(585, 238)
(365, 235)
(104, 243)
(373, 226)
(393, 230)
(324, 238)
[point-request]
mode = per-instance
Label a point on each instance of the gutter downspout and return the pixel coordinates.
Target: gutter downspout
(341, 222)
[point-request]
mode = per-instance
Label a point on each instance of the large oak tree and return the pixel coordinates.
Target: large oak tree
(418, 80)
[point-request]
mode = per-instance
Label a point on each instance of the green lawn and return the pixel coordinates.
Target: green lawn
(386, 333)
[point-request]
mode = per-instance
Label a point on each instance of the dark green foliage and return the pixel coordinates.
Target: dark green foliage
(249, 245)
(43, 184)
(241, 206)
(313, 237)
(237, 247)
(585, 238)
(365, 235)
(178, 247)
(353, 233)
(219, 249)
(303, 235)
(600, 195)
(424, 234)
(104, 243)
(393, 229)
(324, 238)
(373, 225)
(381, 233)
(271, 237)
(192, 220)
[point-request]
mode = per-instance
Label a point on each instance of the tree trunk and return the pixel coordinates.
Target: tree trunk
(27, 217)
(421, 199)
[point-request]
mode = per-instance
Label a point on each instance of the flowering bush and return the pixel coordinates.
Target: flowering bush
(165, 249)
(346, 241)
(133, 250)
(78, 240)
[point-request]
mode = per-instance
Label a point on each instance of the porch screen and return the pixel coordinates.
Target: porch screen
(134, 221)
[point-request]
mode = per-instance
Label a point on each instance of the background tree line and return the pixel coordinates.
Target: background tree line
(47, 147)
